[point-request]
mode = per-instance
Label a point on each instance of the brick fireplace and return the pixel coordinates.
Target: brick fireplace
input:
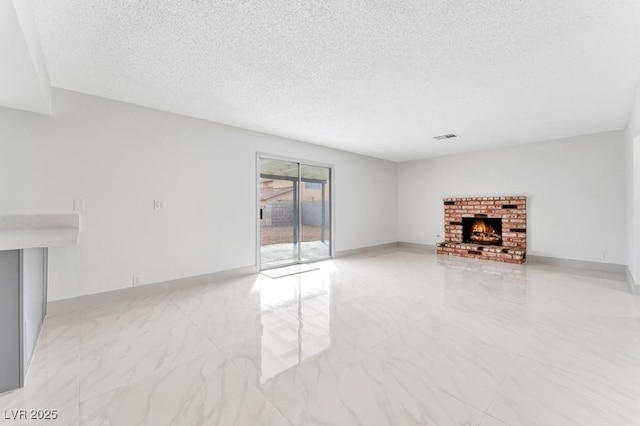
(488, 228)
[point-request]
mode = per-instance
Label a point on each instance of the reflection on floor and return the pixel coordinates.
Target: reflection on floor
(395, 337)
(285, 340)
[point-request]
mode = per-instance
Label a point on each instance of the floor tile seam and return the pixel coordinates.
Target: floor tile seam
(495, 395)
(593, 289)
(251, 383)
(275, 407)
(381, 342)
(58, 342)
(250, 377)
(429, 384)
(191, 320)
(190, 357)
(489, 345)
(77, 412)
(154, 325)
(393, 326)
(83, 401)
(285, 308)
(76, 375)
(484, 416)
(38, 347)
(276, 404)
(353, 299)
(555, 299)
(232, 359)
(158, 370)
(459, 316)
(207, 318)
(226, 288)
(580, 316)
(134, 336)
(46, 330)
(333, 373)
(93, 313)
(59, 357)
(437, 389)
(246, 303)
(89, 314)
(519, 355)
(560, 368)
(108, 310)
(108, 317)
(360, 295)
(166, 370)
(297, 395)
(491, 416)
(413, 323)
(177, 294)
(537, 331)
(571, 373)
(553, 367)
(77, 386)
(543, 313)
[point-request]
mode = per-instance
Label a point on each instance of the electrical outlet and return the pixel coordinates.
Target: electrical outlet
(135, 280)
(159, 204)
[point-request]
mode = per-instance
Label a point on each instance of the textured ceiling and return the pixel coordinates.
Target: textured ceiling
(374, 77)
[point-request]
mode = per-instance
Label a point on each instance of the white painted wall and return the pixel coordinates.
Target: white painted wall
(24, 82)
(575, 189)
(120, 157)
(632, 140)
(32, 40)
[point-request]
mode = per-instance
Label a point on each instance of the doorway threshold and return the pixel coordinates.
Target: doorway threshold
(289, 270)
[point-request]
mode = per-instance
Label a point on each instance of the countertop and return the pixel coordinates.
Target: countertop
(31, 231)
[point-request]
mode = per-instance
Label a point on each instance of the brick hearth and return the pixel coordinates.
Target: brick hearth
(512, 211)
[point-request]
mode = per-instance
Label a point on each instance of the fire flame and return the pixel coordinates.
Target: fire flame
(483, 227)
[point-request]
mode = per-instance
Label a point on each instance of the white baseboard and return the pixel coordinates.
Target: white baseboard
(635, 288)
(422, 247)
(361, 250)
(578, 264)
(81, 302)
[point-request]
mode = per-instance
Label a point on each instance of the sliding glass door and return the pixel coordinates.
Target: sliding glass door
(315, 223)
(279, 228)
(294, 211)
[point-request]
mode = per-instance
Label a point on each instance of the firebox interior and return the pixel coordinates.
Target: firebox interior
(485, 230)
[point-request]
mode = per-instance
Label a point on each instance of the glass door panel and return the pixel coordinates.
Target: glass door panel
(315, 212)
(279, 215)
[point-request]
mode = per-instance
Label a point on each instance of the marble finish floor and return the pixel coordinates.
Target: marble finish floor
(393, 337)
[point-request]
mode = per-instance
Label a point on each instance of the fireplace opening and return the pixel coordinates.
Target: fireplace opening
(484, 230)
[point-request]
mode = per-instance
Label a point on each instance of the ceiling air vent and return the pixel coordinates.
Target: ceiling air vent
(447, 136)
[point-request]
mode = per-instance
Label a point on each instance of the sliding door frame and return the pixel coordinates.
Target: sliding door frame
(300, 162)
